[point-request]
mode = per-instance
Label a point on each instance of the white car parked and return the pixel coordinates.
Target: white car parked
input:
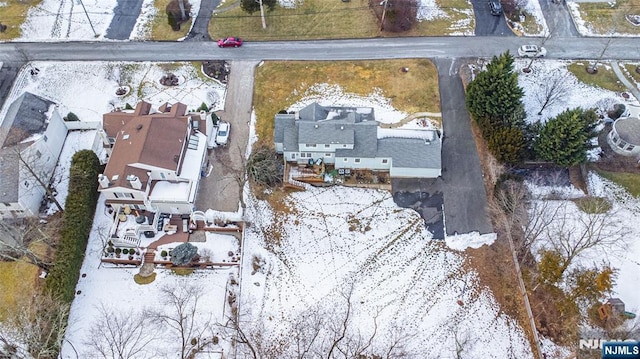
(222, 137)
(532, 51)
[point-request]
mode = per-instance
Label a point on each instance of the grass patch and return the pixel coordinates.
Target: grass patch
(278, 85)
(593, 205)
(604, 19)
(182, 271)
(323, 19)
(631, 69)
(605, 78)
(18, 283)
(144, 280)
(160, 29)
(630, 181)
(12, 14)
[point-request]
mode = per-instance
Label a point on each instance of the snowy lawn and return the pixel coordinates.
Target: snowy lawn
(551, 79)
(621, 220)
(606, 18)
(338, 238)
(115, 289)
(88, 88)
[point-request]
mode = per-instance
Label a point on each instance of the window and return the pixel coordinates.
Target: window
(357, 160)
(303, 155)
(123, 195)
(384, 160)
(162, 175)
(293, 156)
(345, 159)
(309, 154)
(622, 144)
(631, 147)
(311, 145)
(327, 146)
(327, 155)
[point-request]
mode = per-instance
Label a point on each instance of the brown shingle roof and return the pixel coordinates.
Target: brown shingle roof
(155, 140)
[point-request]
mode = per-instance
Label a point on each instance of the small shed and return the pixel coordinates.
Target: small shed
(624, 137)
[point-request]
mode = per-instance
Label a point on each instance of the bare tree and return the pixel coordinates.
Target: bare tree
(39, 327)
(552, 88)
(573, 232)
(27, 241)
(118, 334)
(182, 318)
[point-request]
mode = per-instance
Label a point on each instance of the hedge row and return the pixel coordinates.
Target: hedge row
(77, 219)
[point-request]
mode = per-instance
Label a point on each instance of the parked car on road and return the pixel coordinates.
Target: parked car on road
(496, 7)
(222, 137)
(230, 42)
(532, 51)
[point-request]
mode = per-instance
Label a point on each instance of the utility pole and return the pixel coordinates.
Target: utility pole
(384, 13)
(95, 34)
(264, 23)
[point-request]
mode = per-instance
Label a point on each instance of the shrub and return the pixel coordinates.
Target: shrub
(204, 107)
(110, 249)
(118, 250)
(163, 253)
(71, 117)
(125, 251)
(194, 341)
(214, 118)
(127, 106)
(77, 220)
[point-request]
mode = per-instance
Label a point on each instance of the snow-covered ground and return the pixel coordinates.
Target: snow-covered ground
(55, 20)
(88, 88)
(570, 92)
(337, 240)
(115, 289)
(585, 28)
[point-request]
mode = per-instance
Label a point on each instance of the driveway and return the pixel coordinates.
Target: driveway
(465, 200)
(200, 29)
(124, 19)
(425, 196)
(8, 73)
(558, 19)
(487, 24)
(222, 189)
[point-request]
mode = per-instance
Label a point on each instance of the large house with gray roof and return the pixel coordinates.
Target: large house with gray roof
(350, 138)
(32, 135)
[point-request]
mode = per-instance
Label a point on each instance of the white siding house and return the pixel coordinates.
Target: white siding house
(624, 137)
(32, 136)
(350, 138)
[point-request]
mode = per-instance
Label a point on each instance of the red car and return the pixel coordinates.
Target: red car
(230, 42)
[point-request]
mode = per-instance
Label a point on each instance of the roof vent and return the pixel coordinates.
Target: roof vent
(139, 127)
(342, 127)
(125, 136)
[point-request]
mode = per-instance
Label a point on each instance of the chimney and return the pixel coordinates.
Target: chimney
(135, 182)
(103, 180)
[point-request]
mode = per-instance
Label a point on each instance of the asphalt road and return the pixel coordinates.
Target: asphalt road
(124, 19)
(380, 48)
(487, 24)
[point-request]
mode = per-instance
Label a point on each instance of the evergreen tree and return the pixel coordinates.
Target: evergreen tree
(507, 144)
(566, 138)
(494, 98)
(252, 6)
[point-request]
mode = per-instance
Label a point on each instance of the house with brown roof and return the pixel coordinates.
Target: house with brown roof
(155, 158)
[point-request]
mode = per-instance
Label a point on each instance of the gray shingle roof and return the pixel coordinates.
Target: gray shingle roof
(325, 133)
(629, 130)
(410, 152)
(366, 142)
(281, 122)
(9, 176)
(313, 112)
(26, 116)
(290, 142)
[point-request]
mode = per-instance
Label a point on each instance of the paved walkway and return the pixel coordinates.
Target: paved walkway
(631, 87)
